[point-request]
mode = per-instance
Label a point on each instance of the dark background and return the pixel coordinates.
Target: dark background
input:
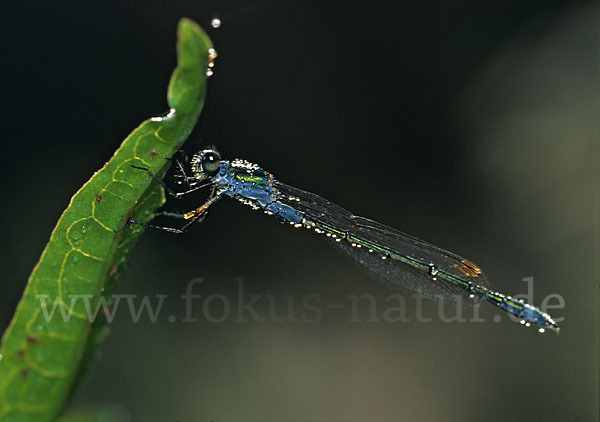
(470, 124)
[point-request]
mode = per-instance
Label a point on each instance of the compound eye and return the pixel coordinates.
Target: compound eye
(210, 162)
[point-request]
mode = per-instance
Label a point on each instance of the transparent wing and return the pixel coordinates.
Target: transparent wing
(394, 257)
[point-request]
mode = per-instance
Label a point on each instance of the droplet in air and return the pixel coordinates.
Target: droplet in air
(209, 73)
(212, 55)
(215, 23)
(541, 330)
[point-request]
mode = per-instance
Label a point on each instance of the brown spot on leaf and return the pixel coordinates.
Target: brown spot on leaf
(98, 197)
(112, 271)
(24, 373)
(21, 352)
(153, 153)
(31, 340)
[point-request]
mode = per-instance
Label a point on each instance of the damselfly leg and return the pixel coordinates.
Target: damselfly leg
(170, 190)
(180, 167)
(197, 215)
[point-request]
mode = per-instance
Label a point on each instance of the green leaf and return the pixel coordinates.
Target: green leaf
(42, 358)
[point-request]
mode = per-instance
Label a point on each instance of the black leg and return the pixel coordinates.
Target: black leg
(181, 230)
(186, 158)
(169, 214)
(185, 215)
(170, 191)
(198, 215)
(184, 175)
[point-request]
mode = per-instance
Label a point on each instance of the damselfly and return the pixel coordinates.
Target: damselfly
(398, 259)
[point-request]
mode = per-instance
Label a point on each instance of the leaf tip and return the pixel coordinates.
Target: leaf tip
(187, 25)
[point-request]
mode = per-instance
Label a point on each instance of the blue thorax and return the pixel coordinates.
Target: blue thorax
(253, 186)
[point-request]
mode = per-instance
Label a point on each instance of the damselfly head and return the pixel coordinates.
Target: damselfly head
(206, 163)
